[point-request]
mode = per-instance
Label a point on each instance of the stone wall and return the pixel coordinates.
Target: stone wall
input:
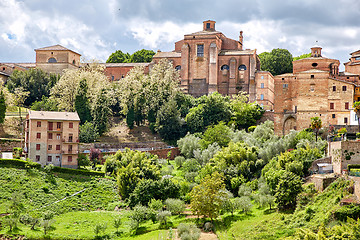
(344, 153)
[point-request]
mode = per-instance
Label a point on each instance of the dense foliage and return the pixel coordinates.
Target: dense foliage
(278, 61)
(137, 57)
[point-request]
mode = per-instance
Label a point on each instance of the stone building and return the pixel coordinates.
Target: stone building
(208, 61)
(52, 138)
(314, 89)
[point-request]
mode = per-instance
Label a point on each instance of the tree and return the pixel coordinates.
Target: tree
(82, 105)
(316, 125)
(245, 114)
(175, 206)
(2, 107)
(356, 106)
(188, 145)
(118, 57)
(94, 156)
(206, 198)
(302, 56)
(168, 122)
(65, 90)
(101, 112)
(287, 189)
(278, 61)
(142, 56)
(188, 231)
(46, 104)
(210, 111)
(219, 134)
(88, 132)
(35, 81)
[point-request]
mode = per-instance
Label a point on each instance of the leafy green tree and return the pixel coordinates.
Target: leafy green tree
(206, 198)
(142, 55)
(219, 134)
(175, 206)
(101, 112)
(278, 61)
(83, 160)
(168, 122)
(82, 105)
(287, 189)
(35, 81)
(302, 56)
(245, 114)
(88, 132)
(130, 118)
(117, 223)
(46, 104)
(211, 110)
(2, 107)
(118, 57)
(243, 203)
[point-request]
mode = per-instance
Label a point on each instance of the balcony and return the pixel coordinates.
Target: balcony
(70, 140)
(70, 151)
(54, 129)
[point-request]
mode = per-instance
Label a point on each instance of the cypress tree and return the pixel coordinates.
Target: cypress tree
(2, 107)
(82, 105)
(101, 112)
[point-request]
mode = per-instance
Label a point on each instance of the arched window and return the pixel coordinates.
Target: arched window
(225, 67)
(178, 67)
(242, 67)
(74, 62)
(52, 60)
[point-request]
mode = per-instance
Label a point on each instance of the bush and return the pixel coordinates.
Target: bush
(83, 160)
(19, 163)
(162, 217)
(175, 206)
(351, 211)
(188, 231)
(88, 132)
(179, 161)
(77, 171)
(188, 144)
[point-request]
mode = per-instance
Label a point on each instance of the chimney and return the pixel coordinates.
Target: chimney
(209, 25)
(241, 39)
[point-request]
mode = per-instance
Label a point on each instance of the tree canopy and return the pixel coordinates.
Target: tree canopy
(139, 56)
(278, 61)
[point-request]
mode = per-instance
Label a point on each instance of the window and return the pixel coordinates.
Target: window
(225, 67)
(38, 135)
(346, 105)
(58, 125)
(345, 120)
(70, 148)
(50, 126)
(282, 78)
(314, 64)
(200, 50)
(57, 158)
(112, 78)
(262, 97)
(74, 62)
(58, 136)
(49, 147)
(262, 85)
(331, 105)
(38, 123)
(69, 158)
(357, 58)
(52, 60)
(70, 137)
(285, 85)
(178, 68)
(312, 87)
(334, 88)
(207, 25)
(38, 147)
(358, 99)
(58, 147)
(50, 136)
(242, 67)
(344, 88)
(262, 77)
(49, 158)
(312, 76)
(333, 116)
(37, 158)
(71, 125)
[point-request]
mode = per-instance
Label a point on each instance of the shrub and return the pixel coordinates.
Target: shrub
(155, 204)
(188, 144)
(162, 217)
(188, 231)
(179, 161)
(18, 163)
(175, 206)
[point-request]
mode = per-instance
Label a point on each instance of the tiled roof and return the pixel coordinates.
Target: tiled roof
(56, 47)
(167, 55)
(44, 115)
(202, 33)
(236, 52)
(314, 71)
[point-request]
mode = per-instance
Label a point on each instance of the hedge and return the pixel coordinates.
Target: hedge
(19, 163)
(350, 166)
(77, 171)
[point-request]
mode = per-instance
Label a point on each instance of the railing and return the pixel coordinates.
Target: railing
(64, 140)
(70, 151)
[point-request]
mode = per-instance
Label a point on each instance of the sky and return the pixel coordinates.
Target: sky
(96, 28)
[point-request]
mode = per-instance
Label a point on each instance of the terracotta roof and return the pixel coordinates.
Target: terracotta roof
(5, 74)
(26, 65)
(203, 33)
(44, 115)
(124, 64)
(236, 52)
(355, 52)
(12, 65)
(167, 55)
(56, 47)
(314, 71)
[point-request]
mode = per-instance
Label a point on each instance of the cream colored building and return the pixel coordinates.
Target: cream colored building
(52, 138)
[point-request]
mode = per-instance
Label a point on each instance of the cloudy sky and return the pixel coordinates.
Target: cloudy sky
(96, 28)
